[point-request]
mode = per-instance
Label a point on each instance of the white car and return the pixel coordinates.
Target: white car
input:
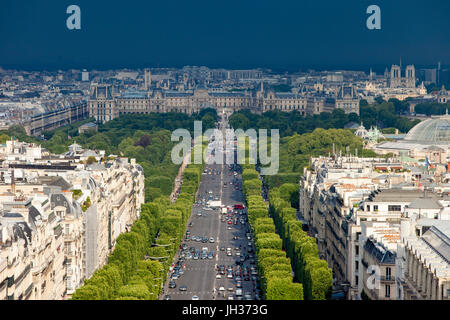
(211, 240)
(195, 298)
(221, 289)
(219, 276)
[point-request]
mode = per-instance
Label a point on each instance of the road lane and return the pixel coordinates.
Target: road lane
(200, 275)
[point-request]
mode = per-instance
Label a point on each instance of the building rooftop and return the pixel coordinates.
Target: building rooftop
(379, 252)
(433, 247)
(425, 203)
(54, 181)
(431, 130)
(399, 195)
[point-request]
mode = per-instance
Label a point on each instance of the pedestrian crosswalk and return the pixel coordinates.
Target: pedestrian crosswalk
(181, 293)
(198, 269)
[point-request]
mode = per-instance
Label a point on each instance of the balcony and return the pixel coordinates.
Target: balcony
(387, 278)
(22, 276)
(3, 265)
(28, 291)
(51, 217)
(12, 262)
(70, 253)
(57, 231)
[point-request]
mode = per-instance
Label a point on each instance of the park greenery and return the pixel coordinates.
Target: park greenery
(383, 115)
(274, 267)
(434, 108)
(282, 245)
(295, 152)
(312, 272)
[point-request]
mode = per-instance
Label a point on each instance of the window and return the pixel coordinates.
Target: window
(368, 208)
(357, 250)
(356, 266)
(67, 247)
(387, 291)
(394, 208)
(388, 273)
(375, 208)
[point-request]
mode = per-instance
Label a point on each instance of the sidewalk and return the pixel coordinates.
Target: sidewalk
(177, 185)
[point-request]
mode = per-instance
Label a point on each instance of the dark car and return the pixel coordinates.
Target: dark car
(167, 297)
(172, 284)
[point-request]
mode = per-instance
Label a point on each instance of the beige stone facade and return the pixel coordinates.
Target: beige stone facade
(105, 105)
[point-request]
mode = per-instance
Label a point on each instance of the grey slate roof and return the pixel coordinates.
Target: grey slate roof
(425, 203)
(55, 181)
(382, 255)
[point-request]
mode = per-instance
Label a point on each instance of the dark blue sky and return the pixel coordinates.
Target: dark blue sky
(278, 34)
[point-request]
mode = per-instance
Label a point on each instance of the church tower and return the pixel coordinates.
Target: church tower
(147, 79)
